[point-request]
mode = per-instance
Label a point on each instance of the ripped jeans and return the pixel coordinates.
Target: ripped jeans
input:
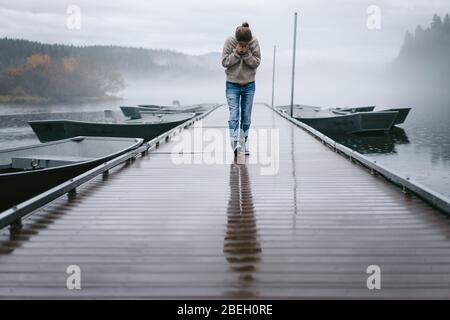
(240, 102)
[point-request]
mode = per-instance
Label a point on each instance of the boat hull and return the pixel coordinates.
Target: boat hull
(51, 130)
(401, 116)
(20, 186)
(353, 123)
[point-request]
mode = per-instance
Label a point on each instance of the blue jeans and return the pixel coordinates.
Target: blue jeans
(240, 102)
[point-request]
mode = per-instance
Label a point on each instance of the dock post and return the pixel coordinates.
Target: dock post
(293, 66)
(16, 225)
(72, 193)
(273, 74)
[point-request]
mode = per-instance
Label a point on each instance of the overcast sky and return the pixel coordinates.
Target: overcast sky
(328, 29)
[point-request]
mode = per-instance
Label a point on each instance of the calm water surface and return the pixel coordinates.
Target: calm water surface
(419, 148)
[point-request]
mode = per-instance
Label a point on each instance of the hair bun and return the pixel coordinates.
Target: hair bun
(243, 33)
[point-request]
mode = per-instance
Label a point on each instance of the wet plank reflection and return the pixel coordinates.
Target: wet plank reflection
(242, 247)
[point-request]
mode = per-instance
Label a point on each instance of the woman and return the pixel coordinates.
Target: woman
(241, 57)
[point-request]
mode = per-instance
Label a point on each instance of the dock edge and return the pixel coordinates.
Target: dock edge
(433, 198)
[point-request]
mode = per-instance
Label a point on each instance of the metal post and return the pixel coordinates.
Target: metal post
(273, 74)
(293, 65)
(72, 193)
(16, 225)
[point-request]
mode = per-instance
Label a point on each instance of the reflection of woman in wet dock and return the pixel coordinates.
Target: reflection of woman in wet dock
(241, 246)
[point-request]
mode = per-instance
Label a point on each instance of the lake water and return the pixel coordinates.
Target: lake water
(420, 149)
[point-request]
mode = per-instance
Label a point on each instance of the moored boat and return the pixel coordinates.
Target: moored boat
(334, 121)
(356, 109)
(198, 108)
(137, 112)
(28, 171)
(146, 128)
(401, 116)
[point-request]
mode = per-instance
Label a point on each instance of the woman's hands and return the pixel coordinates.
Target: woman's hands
(242, 48)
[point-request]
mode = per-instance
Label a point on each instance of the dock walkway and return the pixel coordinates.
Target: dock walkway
(157, 229)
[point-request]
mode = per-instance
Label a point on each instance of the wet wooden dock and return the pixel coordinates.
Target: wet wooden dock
(157, 229)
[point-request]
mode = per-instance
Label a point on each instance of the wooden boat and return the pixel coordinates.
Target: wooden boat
(28, 171)
(146, 128)
(334, 121)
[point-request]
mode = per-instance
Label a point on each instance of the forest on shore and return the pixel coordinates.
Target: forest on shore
(423, 62)
(37, 72)
(40, 79)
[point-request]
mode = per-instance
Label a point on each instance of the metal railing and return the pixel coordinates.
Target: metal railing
(435, 199)
(13, 216)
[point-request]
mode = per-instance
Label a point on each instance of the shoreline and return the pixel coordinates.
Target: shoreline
(34, 100)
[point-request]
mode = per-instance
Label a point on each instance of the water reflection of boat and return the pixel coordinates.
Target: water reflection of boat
(373, 143)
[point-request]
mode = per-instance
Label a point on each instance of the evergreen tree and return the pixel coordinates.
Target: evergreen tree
(436, 24)
(447, 23)
(408, 43)
(419, 33)
(424, 59)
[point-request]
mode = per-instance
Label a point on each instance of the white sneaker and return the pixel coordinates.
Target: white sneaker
(243, 147)
(241, 144)
(234, 146)
(246, 149)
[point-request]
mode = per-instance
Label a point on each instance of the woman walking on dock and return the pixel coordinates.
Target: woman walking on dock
(241, 57)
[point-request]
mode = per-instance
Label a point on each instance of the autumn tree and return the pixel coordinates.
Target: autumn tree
(39, 76)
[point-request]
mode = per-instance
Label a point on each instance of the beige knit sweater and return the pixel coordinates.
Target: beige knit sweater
(240, 68)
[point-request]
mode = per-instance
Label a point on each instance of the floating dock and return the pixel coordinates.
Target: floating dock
(152, 228)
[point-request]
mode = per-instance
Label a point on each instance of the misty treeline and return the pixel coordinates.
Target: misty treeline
(66, 80)
(129, 62)
(63, 72)
(423, 60)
